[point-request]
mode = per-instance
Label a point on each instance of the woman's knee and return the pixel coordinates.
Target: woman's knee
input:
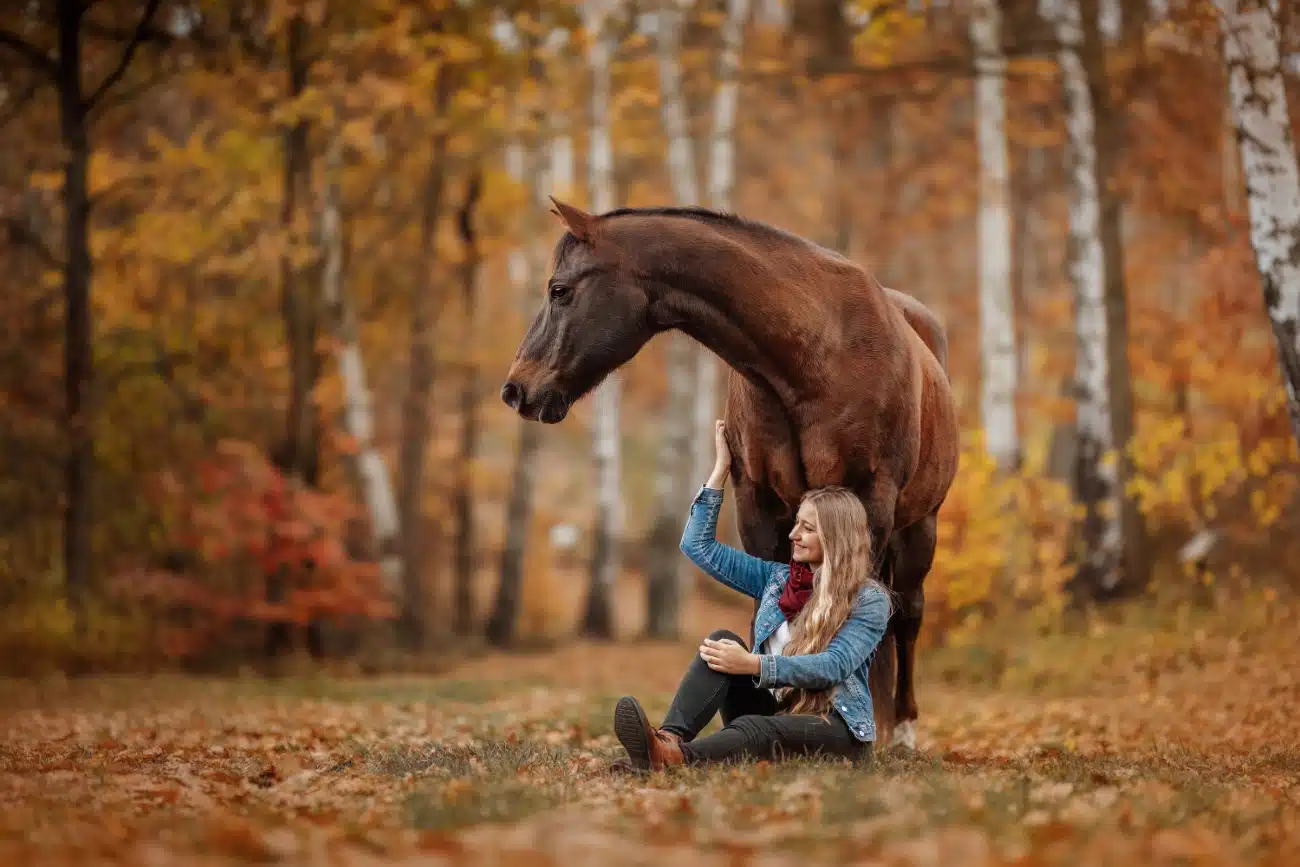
(720, 634)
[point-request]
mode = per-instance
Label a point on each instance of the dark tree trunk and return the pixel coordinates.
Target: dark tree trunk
(299, 303)
(416, 408)
(505, 611)
(299, 452)
(663, 584)
(504, 620)
(1109, 135)
(598, 614)
(463, 602)
(78, 359)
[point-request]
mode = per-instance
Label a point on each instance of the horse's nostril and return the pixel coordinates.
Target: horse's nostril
(512, 394)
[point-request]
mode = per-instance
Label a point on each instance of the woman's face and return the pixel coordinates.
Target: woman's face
(806, 538)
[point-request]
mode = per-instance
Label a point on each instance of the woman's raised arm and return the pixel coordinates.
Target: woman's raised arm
(736, 569)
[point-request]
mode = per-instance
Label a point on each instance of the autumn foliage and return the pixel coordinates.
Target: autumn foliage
(247, 524)
(313, 234)
(196, 242)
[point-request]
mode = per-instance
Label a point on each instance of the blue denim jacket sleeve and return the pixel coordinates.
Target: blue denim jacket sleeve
(736, 569)
(848, 651)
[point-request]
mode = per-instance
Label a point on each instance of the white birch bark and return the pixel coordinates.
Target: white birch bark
(1253, 53)
(1096, 481)
(598, 619)
(1111, 19)
(664, 569)
(721, 183)
(997, 319)
(774, 14)
(358, 408)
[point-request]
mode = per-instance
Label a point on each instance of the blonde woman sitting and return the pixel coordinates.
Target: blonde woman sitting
(819, 620)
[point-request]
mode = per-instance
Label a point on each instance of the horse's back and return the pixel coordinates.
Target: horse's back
(924, 322)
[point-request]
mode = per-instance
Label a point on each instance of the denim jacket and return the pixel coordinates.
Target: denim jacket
(842, 666)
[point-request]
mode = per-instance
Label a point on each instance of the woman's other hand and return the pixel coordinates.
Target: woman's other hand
(722, 462)
(728, 657)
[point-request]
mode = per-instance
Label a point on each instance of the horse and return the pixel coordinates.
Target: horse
(834, 380)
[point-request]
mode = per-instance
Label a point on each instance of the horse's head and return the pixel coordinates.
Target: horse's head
(594, 318)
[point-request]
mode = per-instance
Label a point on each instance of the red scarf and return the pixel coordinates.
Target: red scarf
(797, 590)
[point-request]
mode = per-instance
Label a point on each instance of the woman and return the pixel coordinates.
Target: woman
(818, 623)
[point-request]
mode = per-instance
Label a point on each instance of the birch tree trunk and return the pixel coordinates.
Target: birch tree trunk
(663, 569)
(721, 183)
(1026, 242)
(998, 378)
(1108, 137)
(368, 467)
(1253, 54)
(1095, 481)
(598, 618)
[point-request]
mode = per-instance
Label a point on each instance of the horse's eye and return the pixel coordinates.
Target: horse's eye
(560, 293)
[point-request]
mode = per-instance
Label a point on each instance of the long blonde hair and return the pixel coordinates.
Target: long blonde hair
(845, 570)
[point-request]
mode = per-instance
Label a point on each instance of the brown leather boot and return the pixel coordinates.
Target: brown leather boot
(647, 748)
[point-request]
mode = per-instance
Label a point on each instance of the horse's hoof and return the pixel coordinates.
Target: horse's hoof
(904, 736)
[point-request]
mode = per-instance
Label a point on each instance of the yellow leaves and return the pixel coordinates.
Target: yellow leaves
(994, 527)
(359, 134)
(888, 24)
(458, 49)
(634, 97)
(1027, 66)
(281, 12)
(49, 182)
(106, 172)
(771, 66)
(311, 105)
(469, 101)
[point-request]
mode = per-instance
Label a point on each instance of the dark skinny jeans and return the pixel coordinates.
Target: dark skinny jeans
(752, 727)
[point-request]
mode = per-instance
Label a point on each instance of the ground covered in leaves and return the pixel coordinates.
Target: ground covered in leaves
(1158, 743)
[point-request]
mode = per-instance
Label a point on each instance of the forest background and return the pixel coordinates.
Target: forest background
(267, 264)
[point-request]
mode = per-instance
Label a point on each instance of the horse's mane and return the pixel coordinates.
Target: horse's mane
(743, 225)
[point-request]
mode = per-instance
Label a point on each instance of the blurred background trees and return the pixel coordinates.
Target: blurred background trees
(266, 264)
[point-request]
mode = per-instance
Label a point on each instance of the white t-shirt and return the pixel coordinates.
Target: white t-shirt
(775, 643)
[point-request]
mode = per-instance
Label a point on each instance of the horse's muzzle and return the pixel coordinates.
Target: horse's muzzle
(548, 405)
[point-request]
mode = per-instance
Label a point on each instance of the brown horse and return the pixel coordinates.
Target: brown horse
(835, 380)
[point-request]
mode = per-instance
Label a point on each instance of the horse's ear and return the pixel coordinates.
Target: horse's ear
(576, 220)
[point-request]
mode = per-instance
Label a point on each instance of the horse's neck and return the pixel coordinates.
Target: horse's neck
(766, 323)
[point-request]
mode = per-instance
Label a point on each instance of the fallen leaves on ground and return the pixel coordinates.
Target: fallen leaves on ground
(1161, 755)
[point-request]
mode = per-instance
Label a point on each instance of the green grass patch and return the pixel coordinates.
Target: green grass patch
(492, 781)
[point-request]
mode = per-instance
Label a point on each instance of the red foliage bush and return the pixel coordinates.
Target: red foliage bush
(247, 523)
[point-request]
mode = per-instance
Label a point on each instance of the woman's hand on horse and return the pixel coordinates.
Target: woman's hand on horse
(720, 446)
(728, 657)
(722, 464)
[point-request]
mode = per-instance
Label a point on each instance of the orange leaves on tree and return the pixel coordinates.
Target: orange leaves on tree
(249, 522)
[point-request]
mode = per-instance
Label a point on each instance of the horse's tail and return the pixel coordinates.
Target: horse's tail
(880, 680)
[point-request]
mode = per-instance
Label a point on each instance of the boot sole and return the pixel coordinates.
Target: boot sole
(630, 726)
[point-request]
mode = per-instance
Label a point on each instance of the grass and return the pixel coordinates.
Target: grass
(1157, 736)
